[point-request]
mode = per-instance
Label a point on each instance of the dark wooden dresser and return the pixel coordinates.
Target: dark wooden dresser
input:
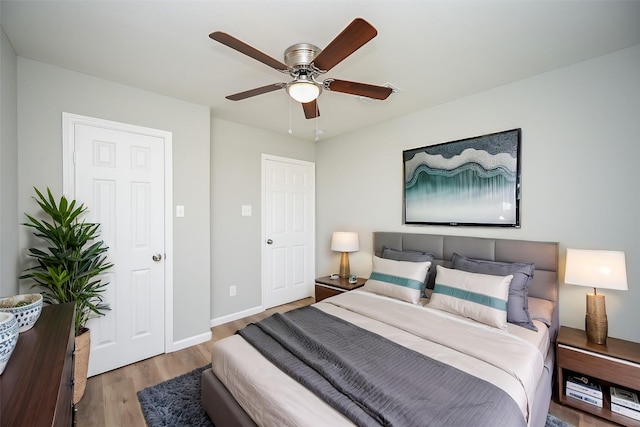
(36, 387)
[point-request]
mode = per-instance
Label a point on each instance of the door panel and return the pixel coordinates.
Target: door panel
(120, 177)
(289, 223)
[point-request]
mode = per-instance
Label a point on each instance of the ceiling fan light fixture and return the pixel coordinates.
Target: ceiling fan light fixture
(303, 90)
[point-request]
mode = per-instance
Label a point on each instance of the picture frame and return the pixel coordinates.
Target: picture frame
(468, 182)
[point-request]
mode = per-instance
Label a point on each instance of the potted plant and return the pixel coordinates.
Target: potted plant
(68, 269)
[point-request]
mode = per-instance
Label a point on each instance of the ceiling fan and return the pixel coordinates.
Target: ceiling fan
(305, 62)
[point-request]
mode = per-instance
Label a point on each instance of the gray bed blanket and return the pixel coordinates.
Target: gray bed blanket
(374, 381)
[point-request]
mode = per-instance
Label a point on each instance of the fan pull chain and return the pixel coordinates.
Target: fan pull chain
(290, 130)
(317, 120)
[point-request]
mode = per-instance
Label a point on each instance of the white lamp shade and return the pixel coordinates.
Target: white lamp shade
(596, 269)
(303, 91)
(345, 241)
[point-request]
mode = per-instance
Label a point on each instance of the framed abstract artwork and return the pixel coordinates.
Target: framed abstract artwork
(473, 181)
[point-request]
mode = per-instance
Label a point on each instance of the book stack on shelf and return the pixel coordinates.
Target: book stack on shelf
(625, 402)
(585, 389)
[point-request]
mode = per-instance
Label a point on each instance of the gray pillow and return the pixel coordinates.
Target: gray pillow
(411, 256)
(518, 304)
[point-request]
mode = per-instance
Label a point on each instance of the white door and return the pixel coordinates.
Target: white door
(288, 230)
(119, 175)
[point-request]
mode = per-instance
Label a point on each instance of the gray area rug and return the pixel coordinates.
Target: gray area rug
(556, 422)
(176, 403)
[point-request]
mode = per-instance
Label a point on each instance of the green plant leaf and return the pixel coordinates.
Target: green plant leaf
(69, 266)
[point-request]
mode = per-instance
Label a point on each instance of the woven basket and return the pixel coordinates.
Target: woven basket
(83, 346)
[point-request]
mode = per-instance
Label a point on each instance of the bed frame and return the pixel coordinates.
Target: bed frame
(224, 410)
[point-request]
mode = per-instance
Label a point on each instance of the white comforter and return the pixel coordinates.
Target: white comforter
(511, 360)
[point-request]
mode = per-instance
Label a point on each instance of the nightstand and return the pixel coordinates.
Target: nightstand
(616, 363)
(327, 287)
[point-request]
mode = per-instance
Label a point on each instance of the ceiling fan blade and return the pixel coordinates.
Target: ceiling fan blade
(359, 89)
(311, 110)
(352, 38)
(257, 91)
(242, 47)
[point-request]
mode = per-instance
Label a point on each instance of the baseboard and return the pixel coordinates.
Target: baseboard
(235, 316)
(191, 341)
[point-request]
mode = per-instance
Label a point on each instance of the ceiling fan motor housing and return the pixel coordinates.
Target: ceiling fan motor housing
(300, 55)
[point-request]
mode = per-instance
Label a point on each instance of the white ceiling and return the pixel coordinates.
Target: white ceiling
(433, 51)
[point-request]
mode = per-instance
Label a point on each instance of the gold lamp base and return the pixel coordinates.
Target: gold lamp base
(344, 265)
(595, 321)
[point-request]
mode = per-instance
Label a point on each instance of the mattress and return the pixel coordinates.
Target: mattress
(272, 398)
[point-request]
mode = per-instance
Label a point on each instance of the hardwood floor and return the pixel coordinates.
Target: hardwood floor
(111, 399)
(578, 418)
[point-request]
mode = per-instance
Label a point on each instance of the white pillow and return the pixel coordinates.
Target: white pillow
(402, 280)
(481, 297)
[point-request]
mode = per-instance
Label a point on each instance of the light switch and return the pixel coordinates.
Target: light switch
(246, 210)
(179, 211)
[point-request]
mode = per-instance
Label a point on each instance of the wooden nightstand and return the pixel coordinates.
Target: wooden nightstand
(327, 287)
(615, 363)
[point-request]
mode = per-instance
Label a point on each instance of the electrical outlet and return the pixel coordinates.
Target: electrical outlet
(232, 291)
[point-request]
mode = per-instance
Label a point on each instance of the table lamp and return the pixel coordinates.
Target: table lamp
(345, 242)
(596, 269)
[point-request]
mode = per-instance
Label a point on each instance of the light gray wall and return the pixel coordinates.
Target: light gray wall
(236, 164)
(8, 168)
(580, 176)
(45, 92)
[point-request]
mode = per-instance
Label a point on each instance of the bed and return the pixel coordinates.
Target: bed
(244, 388)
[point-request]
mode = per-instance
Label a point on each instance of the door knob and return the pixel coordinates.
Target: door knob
(156, 257)
(269, 241)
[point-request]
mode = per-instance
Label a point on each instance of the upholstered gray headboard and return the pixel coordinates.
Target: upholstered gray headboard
(544, 254)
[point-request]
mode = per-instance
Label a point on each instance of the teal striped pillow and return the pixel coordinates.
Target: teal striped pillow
(480, 297)
(402, 280)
